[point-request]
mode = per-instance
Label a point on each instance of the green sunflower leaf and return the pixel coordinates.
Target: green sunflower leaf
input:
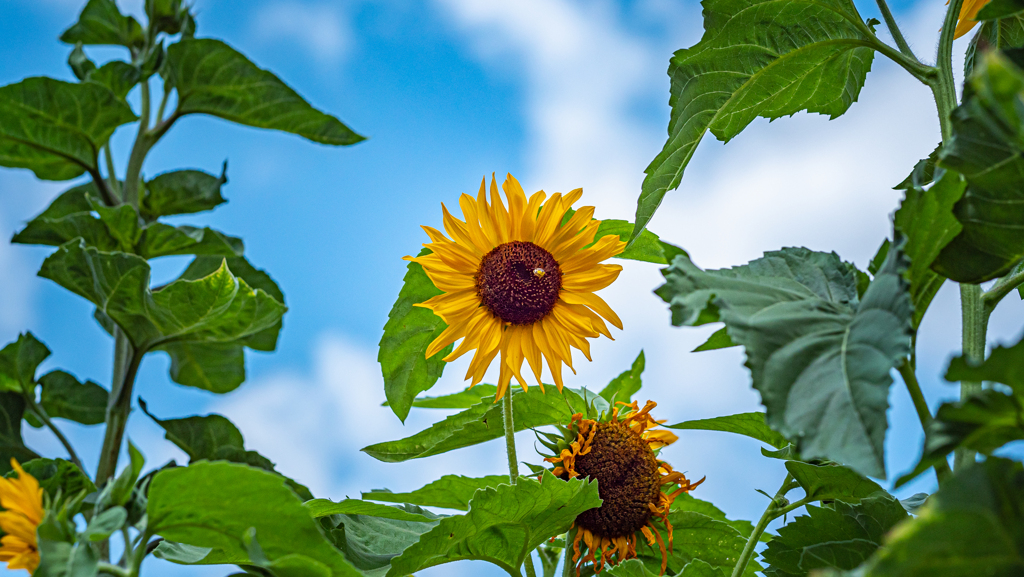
(214, 367)
(102, 23)
(986, 147)
(218, 308)
(623, 387)
(68, 216)
(19, 361)
(1000, 9)
(58, 476)
(214, 504)
(448, 492)
(973, 523)
(818, 354)
(159, 239)
(463, 399)
(767, 58)
(630, 568)
(182, 192)
(718, 340)
(751, 425)
(697, 538)
(926, 220)
(371, 542)
(1004, 33)
(56, 128)
(215, 438)
(1003, 365)
(982, 422)
(483, 422)
(407, 334)
(117, 76)
(63, 396)
(503, 524)
(687, 502)
(647, 247)
(325, 507)
(831, 482)
(12, 409)
(841, 536)
(213, 78)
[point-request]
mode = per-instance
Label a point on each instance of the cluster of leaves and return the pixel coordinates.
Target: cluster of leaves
(821, 337)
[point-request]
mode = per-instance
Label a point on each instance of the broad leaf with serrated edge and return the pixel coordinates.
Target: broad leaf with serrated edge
(56, 128)
(696, 537)
(828, 482)
(751, 425)
(57, 476)
(839, 537)
(214, 78)
(182, 192)
(926, 220)
(63, 396)
(483, 422)
(448, 492)
(408, 332)
(371, 541)
(19, 361)
(463, 399)
(214, 504)
(971, 526)
(767, 58)
(503, 524)
(987, 147)
(820, 357)
(102, 23)
(217, 308)
(215, 438)
(325, 507)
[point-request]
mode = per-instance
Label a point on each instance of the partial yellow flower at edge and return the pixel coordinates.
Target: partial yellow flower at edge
(22, 501)
(968, 11)
(518, 283)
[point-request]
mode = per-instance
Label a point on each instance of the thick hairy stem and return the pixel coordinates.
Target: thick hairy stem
(1002, 288)
(894, 29)
(143, 142)
(513, 461)
(775, 509)
(126, 365)
(914, 388)
(974, 327)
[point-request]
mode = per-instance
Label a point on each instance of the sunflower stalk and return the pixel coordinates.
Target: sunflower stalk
(513, 461)
(567, 565)
(778, 507)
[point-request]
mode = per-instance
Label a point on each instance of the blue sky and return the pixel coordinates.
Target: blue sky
(562, 93)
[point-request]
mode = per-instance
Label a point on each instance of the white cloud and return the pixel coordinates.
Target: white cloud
(322, 28)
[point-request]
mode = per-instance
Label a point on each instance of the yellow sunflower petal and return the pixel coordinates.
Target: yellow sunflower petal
(595, 302)
(499, 214)
(594, 280)
(968, 12)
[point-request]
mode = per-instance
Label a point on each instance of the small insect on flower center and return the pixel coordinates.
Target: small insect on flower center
(519, 282)
(627, 480)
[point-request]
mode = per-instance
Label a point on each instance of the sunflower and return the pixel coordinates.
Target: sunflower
(635, 487)
(22, 501)
(968, 11)
(519, 281)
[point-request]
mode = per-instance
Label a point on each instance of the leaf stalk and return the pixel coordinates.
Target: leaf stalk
(942, 470)
(45, 418)
(1003, 287)
(777, 508)
(894, 29)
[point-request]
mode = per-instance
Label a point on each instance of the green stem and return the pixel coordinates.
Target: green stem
(942, 469)
(944, 87)
(1003, 287)
(894, 29)
(143, 142)
(974, 327)
(45, 418)
(163, 105)
(775, 509)
(513, 461)
(141, 550)
(101, 185)
(126, 365)
(567, 564)
(112, 181)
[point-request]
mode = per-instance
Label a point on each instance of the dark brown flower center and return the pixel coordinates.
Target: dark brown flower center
(519, 282)
(627, 480)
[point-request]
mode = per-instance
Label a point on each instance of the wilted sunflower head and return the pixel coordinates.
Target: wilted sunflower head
(519, 281)
(621, 454)
(22, 502)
